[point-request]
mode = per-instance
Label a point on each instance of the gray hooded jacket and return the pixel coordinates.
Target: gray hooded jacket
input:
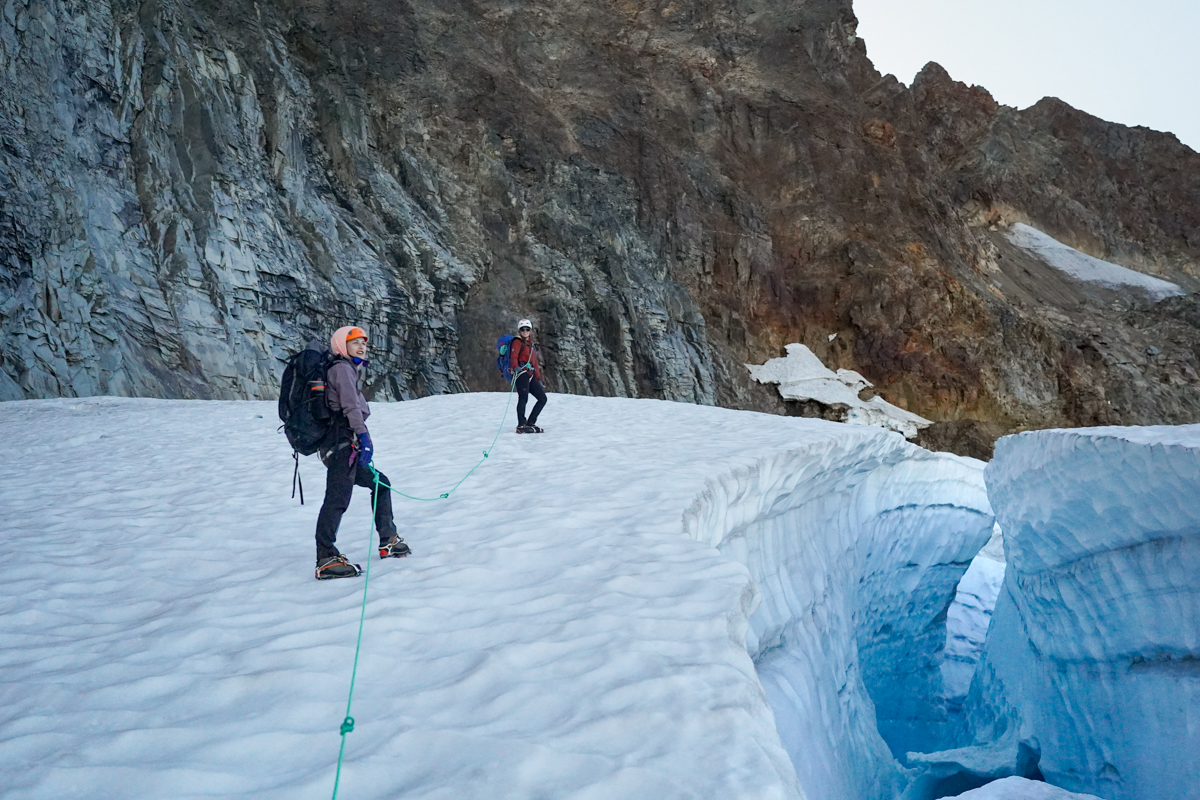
(343, 397)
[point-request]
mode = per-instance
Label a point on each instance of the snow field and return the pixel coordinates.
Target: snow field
(1088, 268)
(565, 628)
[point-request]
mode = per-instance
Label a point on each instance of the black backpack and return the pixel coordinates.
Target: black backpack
(306, 418)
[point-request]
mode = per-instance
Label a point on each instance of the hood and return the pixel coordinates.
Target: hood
(337, 342)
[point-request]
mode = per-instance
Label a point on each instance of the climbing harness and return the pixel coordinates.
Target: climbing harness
(347, 725)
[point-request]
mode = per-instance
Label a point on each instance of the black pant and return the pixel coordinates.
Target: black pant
(529, 385)
(340, 481)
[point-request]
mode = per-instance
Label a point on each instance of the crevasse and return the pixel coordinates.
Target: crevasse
(1091, 670)
(854, 547)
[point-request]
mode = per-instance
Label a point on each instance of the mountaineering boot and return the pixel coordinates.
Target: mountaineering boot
(336, 567)
(395, 548)
(531, 428)
(524, 429)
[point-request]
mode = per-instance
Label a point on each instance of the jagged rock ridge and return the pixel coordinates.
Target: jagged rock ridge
(189, 189)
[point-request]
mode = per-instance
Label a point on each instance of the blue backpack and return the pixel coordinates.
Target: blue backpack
(504, 361)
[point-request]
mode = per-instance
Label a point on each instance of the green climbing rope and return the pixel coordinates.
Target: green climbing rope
(486, 454)
(348, 723)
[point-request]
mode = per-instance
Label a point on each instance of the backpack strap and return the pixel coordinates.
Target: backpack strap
(296, 478)
(523, 346)
(340, 431)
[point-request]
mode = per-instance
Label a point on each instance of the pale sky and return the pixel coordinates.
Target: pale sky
(1133, 63)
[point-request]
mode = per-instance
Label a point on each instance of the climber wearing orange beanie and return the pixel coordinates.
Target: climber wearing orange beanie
(347, 459)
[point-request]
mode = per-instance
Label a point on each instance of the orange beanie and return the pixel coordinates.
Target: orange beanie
(337, 342)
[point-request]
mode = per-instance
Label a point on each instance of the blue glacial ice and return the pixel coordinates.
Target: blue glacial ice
(1090, 676)
(855, 550)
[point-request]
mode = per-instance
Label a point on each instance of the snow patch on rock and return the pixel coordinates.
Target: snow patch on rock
(802, 376)
(1087, 268)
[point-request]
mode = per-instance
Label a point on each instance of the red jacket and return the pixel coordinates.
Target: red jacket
(521, 353)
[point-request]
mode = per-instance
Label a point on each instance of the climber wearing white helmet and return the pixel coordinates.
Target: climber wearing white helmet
(524, 362)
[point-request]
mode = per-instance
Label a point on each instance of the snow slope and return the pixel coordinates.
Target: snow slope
(566, 627)
(1087, 268)
(1092, 665)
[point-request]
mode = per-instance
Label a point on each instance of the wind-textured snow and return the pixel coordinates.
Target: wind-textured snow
(573, 622)
(1091, 669)
(802, 376)
(1087, 268)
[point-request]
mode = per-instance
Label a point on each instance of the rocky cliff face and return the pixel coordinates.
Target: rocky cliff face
(190, 189)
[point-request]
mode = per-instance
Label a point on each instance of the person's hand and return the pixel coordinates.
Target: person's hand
(365, 449)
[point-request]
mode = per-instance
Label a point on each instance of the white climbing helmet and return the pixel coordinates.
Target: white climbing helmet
(524, 324)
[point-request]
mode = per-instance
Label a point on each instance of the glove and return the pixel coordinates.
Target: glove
(365, 449)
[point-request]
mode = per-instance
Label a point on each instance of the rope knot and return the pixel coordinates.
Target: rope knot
(443, 496)
(347, 725)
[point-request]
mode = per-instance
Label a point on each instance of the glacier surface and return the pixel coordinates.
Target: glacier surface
(1090, 675)
(588, 617)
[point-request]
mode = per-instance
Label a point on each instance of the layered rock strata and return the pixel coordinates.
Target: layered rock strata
(189, 189)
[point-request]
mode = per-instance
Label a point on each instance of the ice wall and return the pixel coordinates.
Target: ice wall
(968, 620)
(855, 548)
(1091, 671)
